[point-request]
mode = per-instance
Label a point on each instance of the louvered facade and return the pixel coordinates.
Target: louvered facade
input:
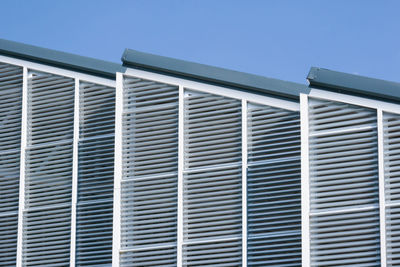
(162, 162)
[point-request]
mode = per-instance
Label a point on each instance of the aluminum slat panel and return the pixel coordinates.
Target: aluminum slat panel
(273, 187)
(344, 193)
(95, 175)
(48, 171)
(150, 173)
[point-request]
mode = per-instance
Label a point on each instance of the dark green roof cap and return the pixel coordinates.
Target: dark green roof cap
(60, 59)
(214, 75)
(353, 84)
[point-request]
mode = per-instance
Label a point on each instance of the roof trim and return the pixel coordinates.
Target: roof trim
(60, 59)
(191, 70)
(350, 83)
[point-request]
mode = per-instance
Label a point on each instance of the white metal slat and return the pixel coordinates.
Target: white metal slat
(212, 181)
(48, 182)
(10, 142)
(95, 175)
(273, 187)
(344, 194)
(150, 174)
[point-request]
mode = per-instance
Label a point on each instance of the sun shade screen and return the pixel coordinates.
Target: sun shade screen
(212, 180)
(344, 223)
(391, 134)
(95, 175)
(10, 142)
(47, 213)
(150, 173)
(274, 189)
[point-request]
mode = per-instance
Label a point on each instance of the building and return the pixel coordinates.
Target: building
(163, 162)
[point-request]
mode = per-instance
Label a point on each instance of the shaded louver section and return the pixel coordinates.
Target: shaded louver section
(150, 173)
(274, 189)
(10, 142)
(95, 175)
(391, 135)
(48, 184)
(344, 223)
(212, 180)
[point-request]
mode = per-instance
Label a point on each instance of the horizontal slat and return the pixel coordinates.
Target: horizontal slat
(213, 253)
(47, 237)
(164, 256)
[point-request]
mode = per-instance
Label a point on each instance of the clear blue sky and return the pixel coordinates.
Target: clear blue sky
(280, 39)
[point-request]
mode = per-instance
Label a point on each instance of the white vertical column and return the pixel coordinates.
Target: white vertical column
(305, 182)
(180, 176)
(24, 129)
(244, 182)
(117, 169)
(382, 204)
(74, 196)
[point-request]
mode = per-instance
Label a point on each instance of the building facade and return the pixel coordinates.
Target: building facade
(163, 162)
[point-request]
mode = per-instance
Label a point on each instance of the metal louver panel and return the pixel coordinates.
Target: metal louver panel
(391, 135)
(212, 191)
(150, 173)
(48, 184)
(274, 187)
(346, 239)
(344, 223)
(10, 147)
(212, 130)
(95, 175)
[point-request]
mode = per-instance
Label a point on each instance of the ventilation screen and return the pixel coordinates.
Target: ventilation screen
(48, 185)
(391, 134)
(10, 142)
(343, 185)
(95, 175)
(150, 173)
(274, 189)
(212, 181)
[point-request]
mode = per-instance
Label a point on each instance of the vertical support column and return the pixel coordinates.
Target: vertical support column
(382, 204)
(180, 176)
(305, 182)
(244, 182)
(24, 127)
(117, 169)
(74, 196)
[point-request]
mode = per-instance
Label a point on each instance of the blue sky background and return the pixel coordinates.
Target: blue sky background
(280, 39)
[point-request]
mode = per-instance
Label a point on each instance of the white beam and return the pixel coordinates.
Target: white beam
(180, 176)
(117, 170)
(74, 196)
(24, 126)
(305, 182)
(381, 166)
(244, 183)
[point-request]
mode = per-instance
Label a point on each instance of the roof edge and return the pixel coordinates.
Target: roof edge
(202, 72)
(60, 59)
(351, 83)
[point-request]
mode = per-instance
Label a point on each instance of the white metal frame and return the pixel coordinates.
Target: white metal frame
(244, 183)
(181, 143)
(184, 85)
(57, 71)
(74, 192)
(380, 107)
(305, 182)
(119, 101)
(382, 196)
(24, 127)
(218, 90)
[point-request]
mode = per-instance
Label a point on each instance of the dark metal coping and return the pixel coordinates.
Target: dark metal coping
(60, 59)
(353, 84)
(214, 75)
